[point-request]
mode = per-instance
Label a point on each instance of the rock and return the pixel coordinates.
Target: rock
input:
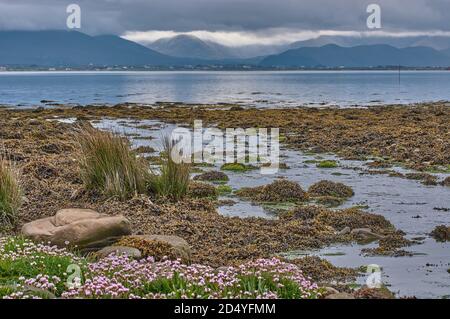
(81, 227)
(68, 216)
(34, 122)
(344, 231)
(366, 233)
(179, 247)
(330, 291)
(119, 250)
(340, 295)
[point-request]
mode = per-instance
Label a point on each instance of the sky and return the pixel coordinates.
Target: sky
(231, 22)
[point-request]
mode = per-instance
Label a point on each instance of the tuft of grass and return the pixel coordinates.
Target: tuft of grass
(224, 189)
(10, 194)
(236, 167)
(327, 164)
(108, 165)
(173, 182)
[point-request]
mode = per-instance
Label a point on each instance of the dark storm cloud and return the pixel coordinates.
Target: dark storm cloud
(119, 16)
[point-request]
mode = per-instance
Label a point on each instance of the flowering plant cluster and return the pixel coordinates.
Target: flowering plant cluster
(123, 277)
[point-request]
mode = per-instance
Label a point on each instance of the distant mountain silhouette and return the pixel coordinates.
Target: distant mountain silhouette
(435, 42)
(71, 48)
(75, 49)
(332, 55)
(191, 47)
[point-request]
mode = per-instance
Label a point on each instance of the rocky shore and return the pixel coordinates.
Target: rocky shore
(45, 152)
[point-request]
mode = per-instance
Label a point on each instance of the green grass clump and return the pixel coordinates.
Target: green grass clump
(236, 167)
(10, 194)
(327, 164)
(173, 182)
(439, 169)
(224, 189)
(108, 165)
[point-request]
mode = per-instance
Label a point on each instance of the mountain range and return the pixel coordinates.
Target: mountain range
(73, 49)
(191, 46)
(76, 49)
(366, 56)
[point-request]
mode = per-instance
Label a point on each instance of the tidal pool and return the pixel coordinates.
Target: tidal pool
(407, 204)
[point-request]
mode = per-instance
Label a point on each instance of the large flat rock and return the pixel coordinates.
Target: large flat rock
(77, 227)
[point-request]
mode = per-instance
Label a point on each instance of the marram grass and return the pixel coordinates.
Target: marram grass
(10, 193)
(173, 182)
(108, 165)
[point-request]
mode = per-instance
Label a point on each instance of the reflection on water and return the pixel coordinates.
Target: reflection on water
(262, 89)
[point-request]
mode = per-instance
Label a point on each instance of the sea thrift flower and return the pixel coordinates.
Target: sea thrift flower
(124, 277)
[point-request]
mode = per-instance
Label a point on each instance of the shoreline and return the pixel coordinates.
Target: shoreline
(52, 181)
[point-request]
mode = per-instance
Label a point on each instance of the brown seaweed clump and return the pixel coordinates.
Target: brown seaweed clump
(149, 248)
(212, 176)
(329, 188)
(446, 182)
(374, 293)
(304, 213)
(144, 150)
(425, 178)
(202, 190)
(278, 191)
(321, 270)
(441, 233)
(390, 246)
(354, 218)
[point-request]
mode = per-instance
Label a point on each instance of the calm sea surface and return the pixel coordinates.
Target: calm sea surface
(262, 89)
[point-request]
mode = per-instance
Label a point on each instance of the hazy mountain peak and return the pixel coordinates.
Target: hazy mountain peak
(185, 45)
(72, 48)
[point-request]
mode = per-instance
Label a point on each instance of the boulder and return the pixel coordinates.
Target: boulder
(340, 295)
(77, 227)
(330, 291)
(346, 230)
(119, 250)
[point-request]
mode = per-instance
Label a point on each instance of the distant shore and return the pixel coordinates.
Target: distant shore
(214, 68)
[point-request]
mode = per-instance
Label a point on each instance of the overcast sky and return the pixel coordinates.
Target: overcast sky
(236, 22)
